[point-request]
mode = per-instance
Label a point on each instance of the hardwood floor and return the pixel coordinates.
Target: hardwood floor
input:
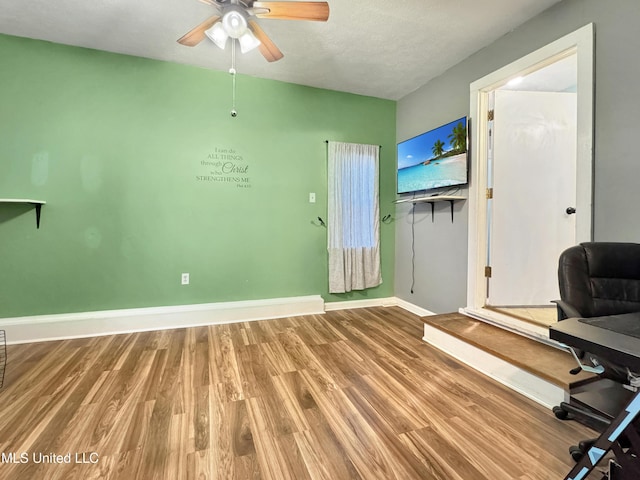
(347, 395)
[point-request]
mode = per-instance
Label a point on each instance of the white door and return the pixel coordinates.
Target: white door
(541, 180)
(534, 183)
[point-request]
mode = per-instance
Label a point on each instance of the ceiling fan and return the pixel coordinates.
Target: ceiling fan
(236, 19)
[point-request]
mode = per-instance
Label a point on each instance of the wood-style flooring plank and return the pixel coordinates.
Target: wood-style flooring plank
(349, 395)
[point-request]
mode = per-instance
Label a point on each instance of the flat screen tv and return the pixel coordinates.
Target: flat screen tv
(434, 159)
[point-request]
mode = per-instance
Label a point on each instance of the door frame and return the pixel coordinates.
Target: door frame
(581, 43)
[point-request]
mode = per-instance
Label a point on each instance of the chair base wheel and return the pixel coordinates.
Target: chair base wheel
(560, 413)
(576, 453)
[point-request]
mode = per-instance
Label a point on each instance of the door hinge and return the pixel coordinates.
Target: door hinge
(490, 115)
(487, 271)
(489, 193)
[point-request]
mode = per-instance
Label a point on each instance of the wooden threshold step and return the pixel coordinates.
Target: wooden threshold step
(535, 369)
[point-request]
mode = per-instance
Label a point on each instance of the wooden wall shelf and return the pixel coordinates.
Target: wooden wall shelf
(36, 203)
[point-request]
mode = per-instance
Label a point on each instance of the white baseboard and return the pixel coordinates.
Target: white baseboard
(64, 326)
(378, 302)
(525, 383)
(110, 322)
(369, 302)
(410, 307)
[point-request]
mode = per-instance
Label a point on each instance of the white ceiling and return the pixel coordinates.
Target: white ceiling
(383, 49)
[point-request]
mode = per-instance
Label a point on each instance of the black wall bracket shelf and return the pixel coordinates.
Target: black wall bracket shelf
(36, 203)
(432, 200)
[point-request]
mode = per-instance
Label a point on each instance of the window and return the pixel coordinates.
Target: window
(353, 219)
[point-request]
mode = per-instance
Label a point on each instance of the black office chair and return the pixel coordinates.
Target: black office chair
(597, 279)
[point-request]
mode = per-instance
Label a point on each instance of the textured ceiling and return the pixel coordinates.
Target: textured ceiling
(381, 49)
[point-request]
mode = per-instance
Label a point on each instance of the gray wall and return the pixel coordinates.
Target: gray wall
(441, 247)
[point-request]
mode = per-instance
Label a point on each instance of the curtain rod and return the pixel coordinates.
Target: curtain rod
(327, 141)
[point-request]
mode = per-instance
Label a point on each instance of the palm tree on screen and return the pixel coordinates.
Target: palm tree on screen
(438, 148)
(458, 138)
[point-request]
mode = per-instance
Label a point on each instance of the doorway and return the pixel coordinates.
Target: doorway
(532, 175)
(526, 206)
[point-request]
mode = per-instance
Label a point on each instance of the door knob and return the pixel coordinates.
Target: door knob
(570, 210)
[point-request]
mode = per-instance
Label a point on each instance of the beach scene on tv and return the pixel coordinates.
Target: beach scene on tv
(437, 158)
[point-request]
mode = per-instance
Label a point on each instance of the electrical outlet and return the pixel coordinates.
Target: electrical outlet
(312, 197)
(185, 279)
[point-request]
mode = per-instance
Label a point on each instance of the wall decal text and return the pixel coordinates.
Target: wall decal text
(225, 166)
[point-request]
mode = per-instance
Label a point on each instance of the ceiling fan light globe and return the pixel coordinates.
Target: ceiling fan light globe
(234, 24)
(248, 41)
(218, 35)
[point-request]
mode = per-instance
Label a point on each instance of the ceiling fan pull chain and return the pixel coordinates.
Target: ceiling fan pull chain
(232, 71)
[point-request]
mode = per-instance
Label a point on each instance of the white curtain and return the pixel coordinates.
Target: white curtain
(353, 219)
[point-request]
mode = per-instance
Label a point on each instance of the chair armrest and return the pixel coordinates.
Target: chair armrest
(566, 310)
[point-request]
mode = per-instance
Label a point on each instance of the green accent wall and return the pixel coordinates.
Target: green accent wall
(146, 175)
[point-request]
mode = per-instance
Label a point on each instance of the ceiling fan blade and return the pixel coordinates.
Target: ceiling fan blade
(267, 48)
(317, 11)
(195, 36)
